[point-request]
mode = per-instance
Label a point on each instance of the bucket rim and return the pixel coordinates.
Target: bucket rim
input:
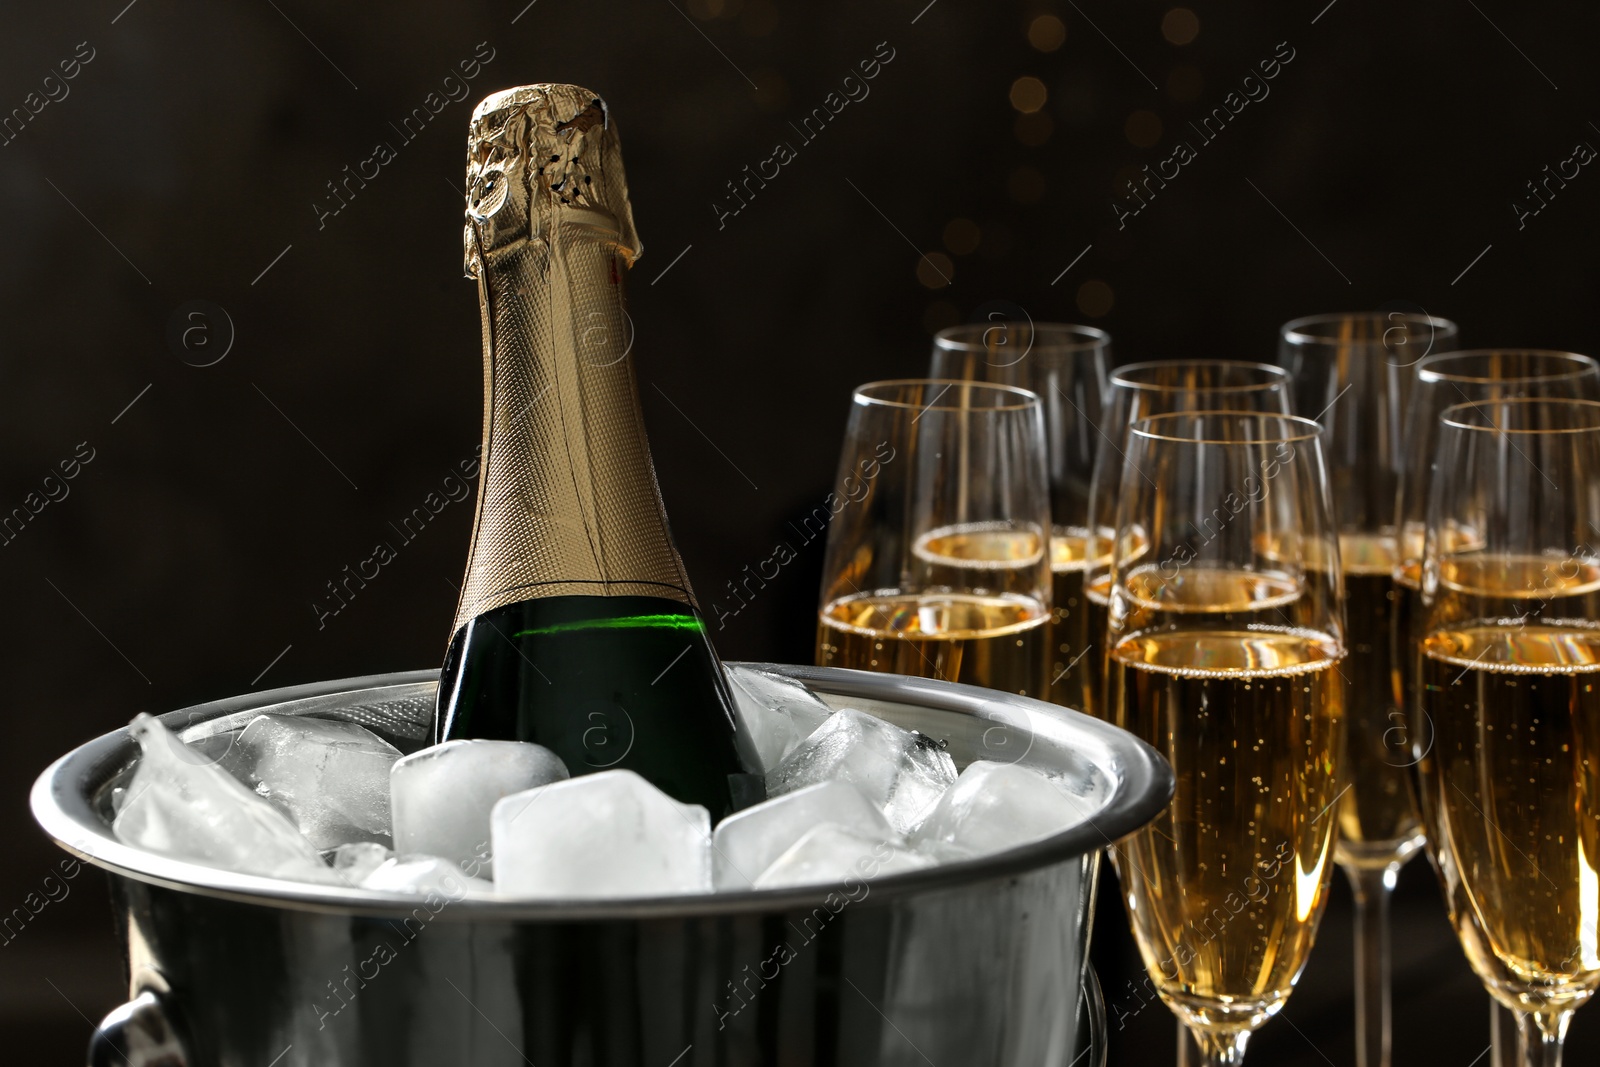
(1139, 785)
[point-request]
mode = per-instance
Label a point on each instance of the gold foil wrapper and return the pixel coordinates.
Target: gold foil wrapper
(568, 501)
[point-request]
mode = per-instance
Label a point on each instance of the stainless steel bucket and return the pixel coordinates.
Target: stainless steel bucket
(964, 965)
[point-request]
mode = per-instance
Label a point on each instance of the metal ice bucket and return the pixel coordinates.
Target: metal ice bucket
(965, 965)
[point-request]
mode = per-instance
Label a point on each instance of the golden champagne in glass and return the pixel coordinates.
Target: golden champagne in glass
(1354, 371)
(1134, 392)
(940, 569)
(1065, 365)
(1442, 380)
(1226, 642)
(1228, 883)
(1508, 664)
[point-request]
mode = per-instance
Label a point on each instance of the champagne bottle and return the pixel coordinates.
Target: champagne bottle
(576, 628)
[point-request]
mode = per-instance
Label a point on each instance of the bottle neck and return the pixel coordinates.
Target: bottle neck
(568, 502)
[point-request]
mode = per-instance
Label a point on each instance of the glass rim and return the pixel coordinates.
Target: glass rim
(1053, 335)
(1275, 377)
(1019, 399)
(1308, 429)
(1580, 365)
(1294, 331)
(1456, 415)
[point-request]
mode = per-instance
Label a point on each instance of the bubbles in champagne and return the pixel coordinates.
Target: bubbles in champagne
(1507, 668)
(1514, 781)
(1224, 890)
(993, 641)
(1074, 666)
(1378, 817)
(980, 618)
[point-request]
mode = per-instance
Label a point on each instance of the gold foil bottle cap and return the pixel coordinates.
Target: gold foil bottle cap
(538, 149)
(568, 502)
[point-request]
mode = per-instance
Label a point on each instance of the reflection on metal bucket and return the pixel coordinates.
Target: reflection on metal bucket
(979, 962)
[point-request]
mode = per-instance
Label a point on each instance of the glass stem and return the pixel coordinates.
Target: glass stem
(1540, 1035)
(1503, 1035)
(1220, 1048)
(1371, 887)
(1185, 1059)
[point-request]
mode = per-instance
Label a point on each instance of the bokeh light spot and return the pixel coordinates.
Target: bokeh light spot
(1028, 94)
(1180, 26)
(935, 270)
(1047, 33)
(1095, 298)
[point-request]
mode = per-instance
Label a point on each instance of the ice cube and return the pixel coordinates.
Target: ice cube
(996, 806)
(196, 811)
(442, 795)
(852, 747)
(772, 714)
(902, 772)
(212, 748)
(424, 874)
(331, 778)
(940, 851)
(610, 834)
(926, 771)
(747, 843)
(830, 854)
(355, 861)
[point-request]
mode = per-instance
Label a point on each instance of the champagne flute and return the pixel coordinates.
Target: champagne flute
(1510, 658)
(1226, 634)
(936, 563)
(1137, 391)
(1442, 380)
(1066, 366)
(1354, 370)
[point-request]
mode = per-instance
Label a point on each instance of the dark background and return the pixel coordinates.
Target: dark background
(187, 156)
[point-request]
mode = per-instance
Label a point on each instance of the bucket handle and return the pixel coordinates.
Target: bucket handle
(138, 1034)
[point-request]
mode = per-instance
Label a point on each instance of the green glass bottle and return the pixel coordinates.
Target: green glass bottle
(577, 628)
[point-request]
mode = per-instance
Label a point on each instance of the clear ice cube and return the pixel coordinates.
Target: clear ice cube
(442, 796)
(747, 843)
(424, 874)
(926, 771)
(211, 748)
(353, 862)
(331, 778)
(902, 772)
(772, 714)
(610, 834)
(996, 806)
(193, 810)
(831, 854)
